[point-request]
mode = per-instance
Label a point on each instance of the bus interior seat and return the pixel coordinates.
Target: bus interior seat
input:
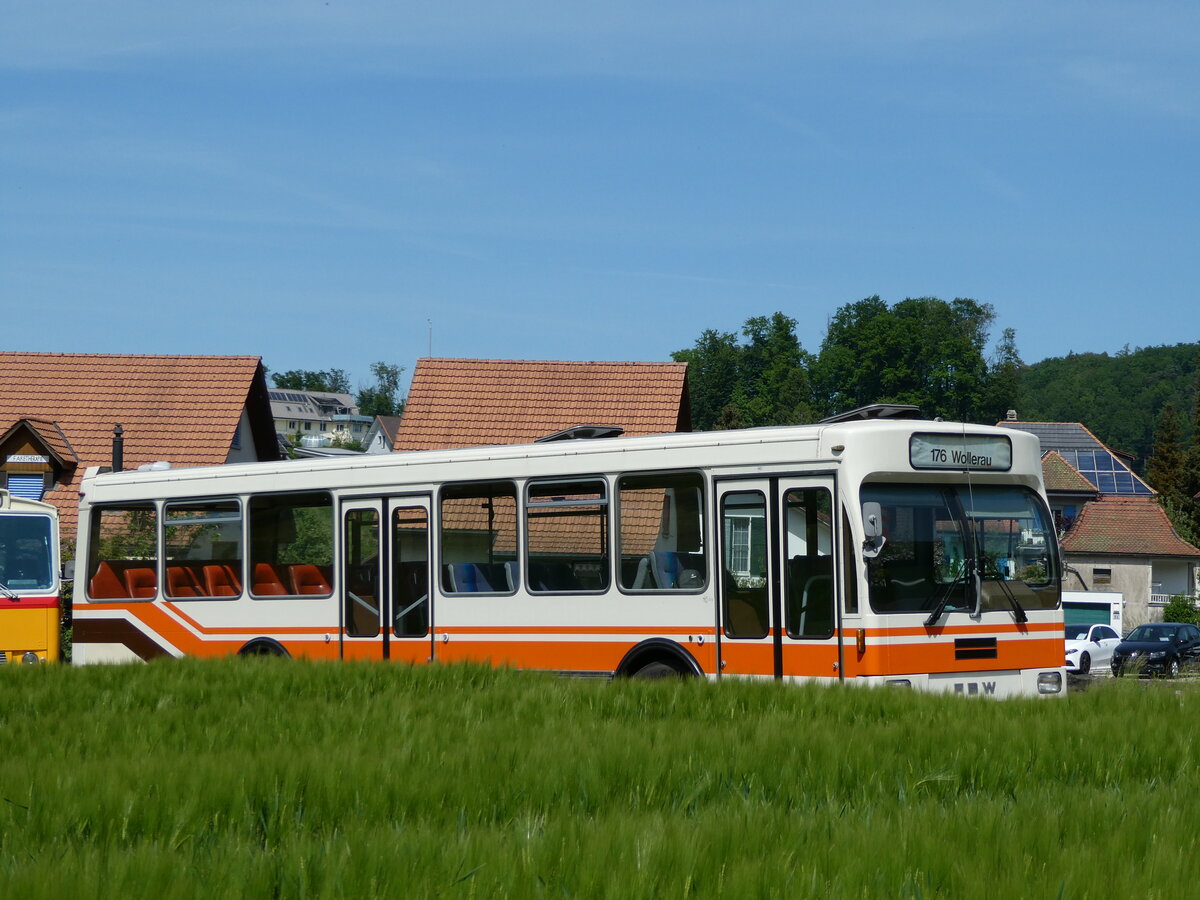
(552, 575)
(105, 585)
(480, 578)
(466, 578)
(308, 579)
(745, 609)
(667, 569)
(141, 582)
(221, 581)
(810, 595)
(267, 581)
(182, 582)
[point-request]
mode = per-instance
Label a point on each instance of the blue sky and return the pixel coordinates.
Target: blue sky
(327, 184)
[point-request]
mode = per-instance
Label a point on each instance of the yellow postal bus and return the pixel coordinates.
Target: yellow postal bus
(29, 580)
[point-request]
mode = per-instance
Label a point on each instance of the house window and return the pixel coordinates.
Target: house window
(1102, 576)
(737, 537)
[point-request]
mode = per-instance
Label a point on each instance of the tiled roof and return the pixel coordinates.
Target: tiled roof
(1059, 435)
(1060, 476)
(479, 402)
(184, 409)
(1125, 525)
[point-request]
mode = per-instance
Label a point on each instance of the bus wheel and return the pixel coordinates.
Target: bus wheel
(263, 647)
(658, 670)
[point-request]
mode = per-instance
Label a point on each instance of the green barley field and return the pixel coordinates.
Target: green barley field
(268, 778)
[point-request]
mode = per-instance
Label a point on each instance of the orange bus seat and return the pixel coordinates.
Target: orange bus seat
(105, 585)
(308, 579)
(221, 581)
(267, 582)
(141, 582)
(182, 582)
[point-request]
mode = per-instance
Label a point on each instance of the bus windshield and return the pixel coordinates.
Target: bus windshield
(961, 548)
(26, 553)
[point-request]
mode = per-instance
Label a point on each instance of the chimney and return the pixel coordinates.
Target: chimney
(1012, 415)
(118, 451)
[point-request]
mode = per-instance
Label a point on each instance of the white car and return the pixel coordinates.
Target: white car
(1090, 646)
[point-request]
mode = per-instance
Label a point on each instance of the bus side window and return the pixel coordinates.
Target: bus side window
(567, 539)
(849, 566)
(122, 539)
(291, 545)
(660, 532)
(478, 534)
(202, 543)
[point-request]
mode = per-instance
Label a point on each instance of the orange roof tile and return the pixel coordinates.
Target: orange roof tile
(479, 402)
(1060, 475)
(1125, 525)
(184, 409)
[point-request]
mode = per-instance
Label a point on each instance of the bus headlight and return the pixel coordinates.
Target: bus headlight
(1049, 682)
(30, 658)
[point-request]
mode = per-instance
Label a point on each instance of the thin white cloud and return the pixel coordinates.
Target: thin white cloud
(679, 37)
(1134, 84)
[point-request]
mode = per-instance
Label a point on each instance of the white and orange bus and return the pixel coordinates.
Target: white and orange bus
(29, 581)
(879, 549)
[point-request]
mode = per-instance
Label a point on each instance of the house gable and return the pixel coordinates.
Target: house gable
(183, 409)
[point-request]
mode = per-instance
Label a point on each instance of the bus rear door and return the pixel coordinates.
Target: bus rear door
(385, 607)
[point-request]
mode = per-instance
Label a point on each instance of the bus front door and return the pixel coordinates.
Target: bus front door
(385, 611)
(779, 577)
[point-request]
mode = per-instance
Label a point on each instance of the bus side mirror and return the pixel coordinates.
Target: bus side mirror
(872, 529)
(68, 570)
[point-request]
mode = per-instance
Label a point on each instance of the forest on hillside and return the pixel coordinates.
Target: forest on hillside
(1120, 398)
(939, 356)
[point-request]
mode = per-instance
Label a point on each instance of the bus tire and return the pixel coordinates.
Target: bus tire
(658, 670)
(658, 658)
(264, 647)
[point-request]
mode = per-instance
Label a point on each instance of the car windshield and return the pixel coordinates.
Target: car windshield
(1153, 633)
(1077, 632)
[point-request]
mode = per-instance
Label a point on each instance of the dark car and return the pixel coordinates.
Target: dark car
(1158, 648)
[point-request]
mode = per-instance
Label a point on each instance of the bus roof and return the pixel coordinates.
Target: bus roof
(820, 441)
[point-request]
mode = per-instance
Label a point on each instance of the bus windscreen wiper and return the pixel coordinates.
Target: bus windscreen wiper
(998, 576)
(7, 592)
(944, 600)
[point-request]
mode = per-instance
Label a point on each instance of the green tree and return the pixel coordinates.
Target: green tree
(1117, 397)
(773, 387)
(712, 376)
(333, 381)
(383, 397)
(1165, 468)
(923, 351)
(761, 381)
(1004, 381)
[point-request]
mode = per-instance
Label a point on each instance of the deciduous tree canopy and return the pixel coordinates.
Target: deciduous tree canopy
(921, 351)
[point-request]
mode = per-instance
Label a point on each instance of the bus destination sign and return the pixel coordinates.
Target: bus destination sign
(960, 452)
